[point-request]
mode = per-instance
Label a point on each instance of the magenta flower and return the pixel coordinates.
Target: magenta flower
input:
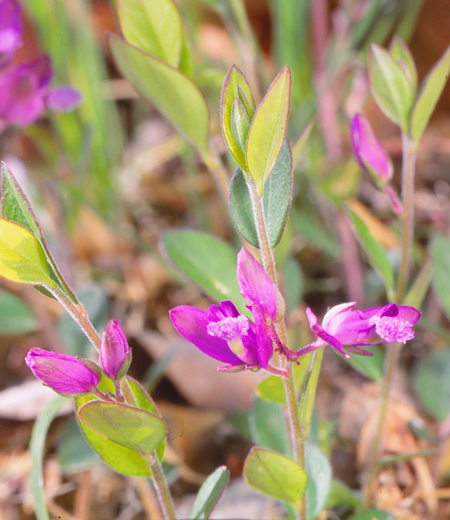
(223, 333)
(369, 152)
(67, 375)
(115, 354)
(10, 30)
(345, 328)
(25, 92)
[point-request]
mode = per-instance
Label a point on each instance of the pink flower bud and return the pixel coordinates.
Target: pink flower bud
(67, 375)
(115, 354)
(369, 152)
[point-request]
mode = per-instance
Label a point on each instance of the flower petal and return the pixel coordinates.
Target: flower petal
(115, 353)
(63, 99)
(192, 324)
(255, 285)
(264, 344)
(10, 30)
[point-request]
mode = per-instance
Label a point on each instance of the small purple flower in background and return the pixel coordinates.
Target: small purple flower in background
(25, 92)
(115, 354)
(369, 152)
(223, 333)
(67, 375)
(344, 327)
(10, 30)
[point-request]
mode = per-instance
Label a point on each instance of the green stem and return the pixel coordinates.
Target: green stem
(292, 413)
(393, 352)
(161, 486)
(79, 314)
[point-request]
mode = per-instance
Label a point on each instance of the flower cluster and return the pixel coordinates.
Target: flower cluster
(25, 89)
(224, 334)
(72, 376)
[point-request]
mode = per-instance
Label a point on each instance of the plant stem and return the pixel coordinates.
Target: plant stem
(393, 352)
(292, 415)
(161, 486)
(79, 314)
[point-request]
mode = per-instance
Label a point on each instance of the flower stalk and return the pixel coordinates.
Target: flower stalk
(161, 486)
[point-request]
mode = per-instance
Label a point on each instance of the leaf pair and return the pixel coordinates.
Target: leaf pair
(255, 138)
(393, 79)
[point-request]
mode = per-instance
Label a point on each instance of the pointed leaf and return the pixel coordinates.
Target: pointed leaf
(209, 494)
(22, 259)
(208, 261)
(277, 197)
(390, 86)
(275, 475)
(430, 92)
(318, 470)
(402, 55)
(175, 95)
(154, 26)
(240, 123)
(16, 208)
(374, 251)
(268, 129)
(234, 81)
(267, 426)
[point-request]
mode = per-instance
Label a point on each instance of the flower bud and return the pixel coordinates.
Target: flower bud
(115, 354)
(69, 376)
(369, 152)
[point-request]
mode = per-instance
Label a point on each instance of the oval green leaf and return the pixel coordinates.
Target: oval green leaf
(22, 259)
(430, 92)
(318, 470)
(154, 26)
(390, 86)
(267, 426)
(440, 254)
(175, 95)
(235, 86)
(275, 475)
(268, 130)
(277, 197)
(208, 261)
(209, 494)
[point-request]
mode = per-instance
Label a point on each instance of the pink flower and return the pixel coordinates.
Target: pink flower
(10, 30)
(67, 375)
(115, 354)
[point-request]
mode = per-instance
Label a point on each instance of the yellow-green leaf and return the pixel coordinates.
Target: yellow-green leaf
(268, 129)
(22, 259)
(430, 92)
(154, 26)
(402, 55)
(390, 86)
(235, 87)
(175, 95)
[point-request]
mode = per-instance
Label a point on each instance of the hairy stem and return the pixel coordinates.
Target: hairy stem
(292, 415)
(393, 352)
(161, 486)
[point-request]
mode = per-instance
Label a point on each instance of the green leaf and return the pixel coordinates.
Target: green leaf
(440, 254)
(341, 494)
(240, 123)
(268, 130)
(15, 316)
(74, 453)
(299, 146)
(315, 233)
(95, 301)
(318, 470)
(374, 251)
(432, 383)
(267, 426)
(372, 514)
(420, 286)
(235, 87)
(209, 494)
(275, 475)
(37, 448)
(209, 261)
(122, 459)
(308, 397)
(430, 92)
(402, 55)
(22, 259)
(369, 366)
(16, 208)
(277, 197)
(175, 95)
(130, 427)
(390, 86)
(154, 26)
